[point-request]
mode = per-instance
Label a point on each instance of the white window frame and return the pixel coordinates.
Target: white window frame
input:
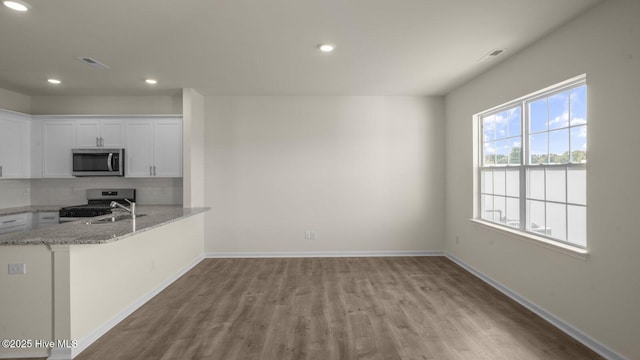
(523, 167)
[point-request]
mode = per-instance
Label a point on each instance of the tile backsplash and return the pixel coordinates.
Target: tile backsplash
(14, 193)
(157, 191)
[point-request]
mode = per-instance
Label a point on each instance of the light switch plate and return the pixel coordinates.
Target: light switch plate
(15, 269)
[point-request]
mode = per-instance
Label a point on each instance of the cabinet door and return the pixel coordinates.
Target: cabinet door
(15, 140)
(138, 148)
(58, 140)
(167, 152)
(87, 133)
(112, 134)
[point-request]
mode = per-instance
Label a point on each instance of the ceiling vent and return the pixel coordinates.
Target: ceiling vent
(93, 62)
(492, 55)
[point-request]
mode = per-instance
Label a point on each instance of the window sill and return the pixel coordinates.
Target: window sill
(573, 251)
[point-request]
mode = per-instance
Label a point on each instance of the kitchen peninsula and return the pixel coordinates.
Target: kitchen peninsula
(83, 277)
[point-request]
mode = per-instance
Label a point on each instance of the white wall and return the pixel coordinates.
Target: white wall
(599, 296)
(193, 148)
(364, 173)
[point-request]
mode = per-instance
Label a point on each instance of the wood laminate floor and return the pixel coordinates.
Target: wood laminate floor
(333, 308)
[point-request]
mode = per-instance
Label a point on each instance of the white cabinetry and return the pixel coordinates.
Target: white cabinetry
(44, 219)
(15, 145)
(153, 147)
(99, 133)
(153, 144)
(17, 222)
(58, 138)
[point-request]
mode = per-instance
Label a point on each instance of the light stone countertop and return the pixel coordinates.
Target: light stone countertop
(79, 232)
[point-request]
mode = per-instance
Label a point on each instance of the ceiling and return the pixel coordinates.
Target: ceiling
(266, 47)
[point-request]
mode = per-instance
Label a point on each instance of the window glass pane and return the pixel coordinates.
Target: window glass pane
(579, 105)
(514, 121)
(557, 221)
(556, 185)
(577, 186)
(513, 182)
(538, 148)
(535, 184)
(579, 144)
(488, 128)
(559, 146)
(486, 207)
(535, 216)
(538, 116)
(513, 213)
(499, 209)
(514, 154)
(577, 223)
(489, 152)
(501, 125)
(502, 152)
(487, 181)
(559, 110)
(499, 183)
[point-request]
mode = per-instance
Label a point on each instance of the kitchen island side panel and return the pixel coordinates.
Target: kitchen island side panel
(25, 300)
(110, 280)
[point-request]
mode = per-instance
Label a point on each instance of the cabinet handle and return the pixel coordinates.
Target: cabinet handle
(48, 218)
(97, 141)
(9, 221)
(0, 170)
(150, 170)
(101, 142)
(154, 170)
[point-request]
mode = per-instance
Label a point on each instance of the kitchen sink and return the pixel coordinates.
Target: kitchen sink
(112, 219)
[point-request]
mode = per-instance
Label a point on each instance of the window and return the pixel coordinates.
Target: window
(532, 165)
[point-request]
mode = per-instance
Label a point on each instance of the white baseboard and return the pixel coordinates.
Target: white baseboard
(308, 254)
(97, 333)
(567, 328)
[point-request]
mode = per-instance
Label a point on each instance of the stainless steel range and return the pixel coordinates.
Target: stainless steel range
(99, 201)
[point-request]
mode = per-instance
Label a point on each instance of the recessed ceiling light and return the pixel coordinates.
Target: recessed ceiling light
(326, 47)
(151, 81)
(54, 81)
(17, 5)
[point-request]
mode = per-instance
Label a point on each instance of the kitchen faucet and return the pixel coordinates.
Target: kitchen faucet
(131, 209)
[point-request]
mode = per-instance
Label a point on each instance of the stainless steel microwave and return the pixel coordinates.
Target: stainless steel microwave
(98, 162)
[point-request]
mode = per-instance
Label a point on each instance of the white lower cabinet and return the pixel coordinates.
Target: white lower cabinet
(13, 223)
(153, 147)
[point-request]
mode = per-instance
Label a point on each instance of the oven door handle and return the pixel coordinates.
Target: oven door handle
(109, 161)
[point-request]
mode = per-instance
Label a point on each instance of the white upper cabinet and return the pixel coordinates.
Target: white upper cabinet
(58, 138)
(139, 148)
(167, 148)
(15, 145)
(153, 147)
(152, 144)
(100, 133)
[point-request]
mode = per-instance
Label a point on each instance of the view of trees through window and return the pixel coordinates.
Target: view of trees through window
(533, 164)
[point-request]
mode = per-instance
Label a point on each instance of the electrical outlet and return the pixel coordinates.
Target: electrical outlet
(15, 269)
(310, 235)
